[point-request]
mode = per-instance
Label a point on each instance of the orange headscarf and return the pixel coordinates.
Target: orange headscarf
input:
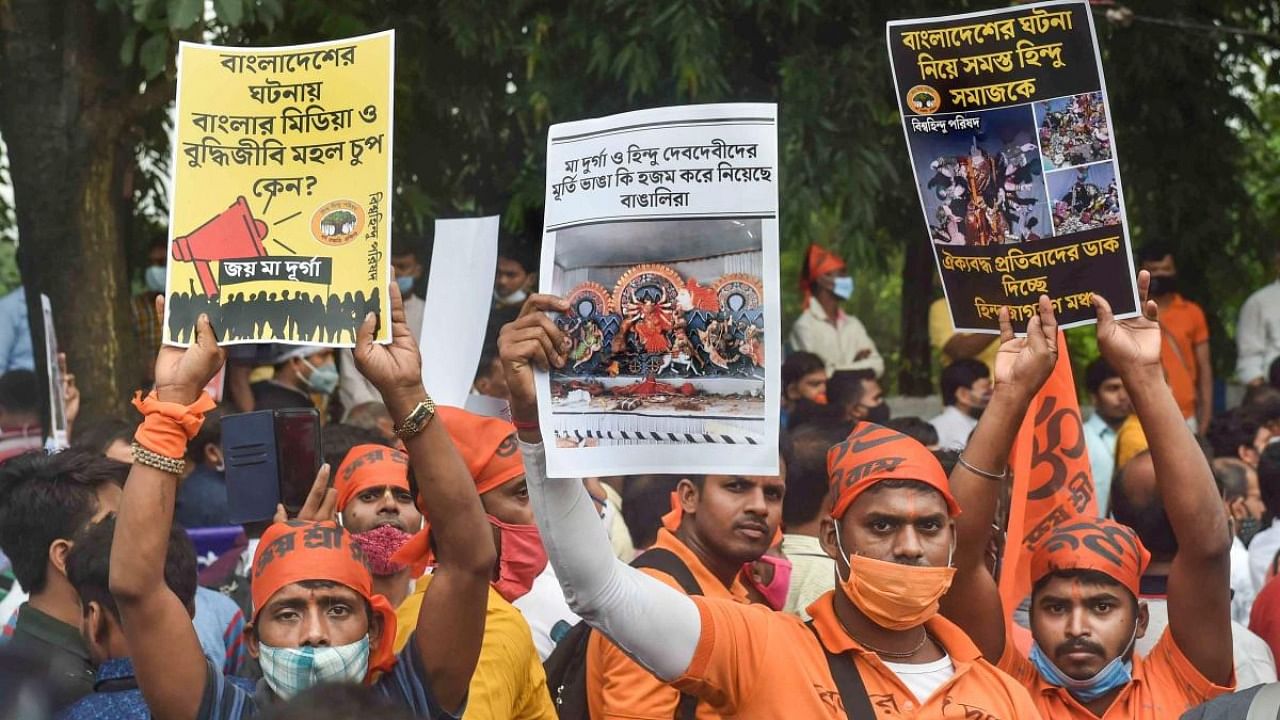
(1105, 546)
(818, 261)
(488, 448)
(872, 454)
(297, 550)
(367, 466)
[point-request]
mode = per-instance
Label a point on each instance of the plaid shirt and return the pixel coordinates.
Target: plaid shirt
(406, 684)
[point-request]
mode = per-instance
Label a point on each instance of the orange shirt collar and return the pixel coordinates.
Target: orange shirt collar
(835, 639)
(710, 584)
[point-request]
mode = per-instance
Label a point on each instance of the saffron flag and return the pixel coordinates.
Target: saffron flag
(1052, 481)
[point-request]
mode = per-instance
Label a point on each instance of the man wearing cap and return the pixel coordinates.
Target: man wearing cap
(890, 532)
(823, 328)
(1085, 610)
(300, 370)
(718, 524)
(316, 618)
(376, 506)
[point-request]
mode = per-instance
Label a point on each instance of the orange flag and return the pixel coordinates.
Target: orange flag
(1052, 480)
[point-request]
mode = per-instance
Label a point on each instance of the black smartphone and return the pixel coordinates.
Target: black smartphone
(250, 456)
(297, 433)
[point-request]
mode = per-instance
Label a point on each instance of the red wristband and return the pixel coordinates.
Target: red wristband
(525, 424)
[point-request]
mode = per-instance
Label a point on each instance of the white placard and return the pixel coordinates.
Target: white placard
(661, 229)
(459, 292)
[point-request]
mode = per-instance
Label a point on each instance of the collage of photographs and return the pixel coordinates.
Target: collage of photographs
(1025, 173)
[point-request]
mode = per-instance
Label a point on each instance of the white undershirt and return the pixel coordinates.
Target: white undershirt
(924, 678)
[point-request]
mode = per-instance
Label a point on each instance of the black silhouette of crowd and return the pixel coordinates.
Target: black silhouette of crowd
(299, 316)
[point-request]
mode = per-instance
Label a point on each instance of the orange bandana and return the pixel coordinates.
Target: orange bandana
(487, 445)
(873, 453)
(818, 262)
(1105, 546)
(369, 466)
(488, 448)
(296, 550)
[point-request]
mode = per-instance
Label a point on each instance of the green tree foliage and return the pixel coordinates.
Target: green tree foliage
(478, 84)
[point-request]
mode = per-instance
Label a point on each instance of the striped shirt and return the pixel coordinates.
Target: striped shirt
(406, 684)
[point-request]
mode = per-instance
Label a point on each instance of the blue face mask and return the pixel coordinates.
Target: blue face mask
(323, 379)
(843, 287)
(405, 283)
(1114, 674)
(289, 671)
(153, 278)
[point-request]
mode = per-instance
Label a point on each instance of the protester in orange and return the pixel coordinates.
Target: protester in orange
(376, 506)
(1085, 611)
(891, 521)
(1184, 350)
(316, 617)
(824, 328)
(720, 523)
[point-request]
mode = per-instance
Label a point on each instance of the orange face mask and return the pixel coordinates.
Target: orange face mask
(892, 595)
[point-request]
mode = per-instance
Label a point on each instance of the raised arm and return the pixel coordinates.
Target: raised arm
(170, 666)
(1199, 587)
(1022, 366)
(653, 623)
(451, 622)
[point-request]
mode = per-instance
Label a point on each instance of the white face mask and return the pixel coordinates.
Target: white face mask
(289, 671)
(843, 287)
(515, 297)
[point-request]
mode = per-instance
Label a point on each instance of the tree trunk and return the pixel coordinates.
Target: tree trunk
(917, 357)
(65, 106)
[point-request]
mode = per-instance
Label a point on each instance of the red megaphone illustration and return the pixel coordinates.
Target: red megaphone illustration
(232, 233)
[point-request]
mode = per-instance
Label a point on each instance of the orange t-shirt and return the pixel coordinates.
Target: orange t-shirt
(617, 686)
(1184, 327)
(755, 664)
(1165, 684)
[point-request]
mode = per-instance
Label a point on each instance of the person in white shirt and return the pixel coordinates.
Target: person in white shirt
(823, 328)
(966, 389)
(1265, 545)
(1136, 503)
(1111, 405)
(1258, 332)
(1245, 510)
(813, 572)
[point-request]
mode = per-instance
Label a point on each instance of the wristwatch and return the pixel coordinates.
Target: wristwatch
(417, 419)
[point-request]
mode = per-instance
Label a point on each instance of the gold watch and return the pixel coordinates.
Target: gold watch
(417, 419)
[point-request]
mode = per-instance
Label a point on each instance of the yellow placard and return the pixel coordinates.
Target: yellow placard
(279, 222)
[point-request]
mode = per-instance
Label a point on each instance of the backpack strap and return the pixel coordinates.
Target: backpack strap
(665, 561)
(853, 693)
(1266, 703)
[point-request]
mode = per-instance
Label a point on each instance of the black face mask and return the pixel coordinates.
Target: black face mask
(1163, 285)
(878, 414)
(1247, 528)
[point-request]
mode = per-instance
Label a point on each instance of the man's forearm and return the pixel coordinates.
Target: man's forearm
(1185, 480)
(448, 493)
(142, 533)
(988, 450)
(653, 623)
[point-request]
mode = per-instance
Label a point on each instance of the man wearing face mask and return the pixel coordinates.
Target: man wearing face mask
(717, 524)
(376, 506)
(859, 394)
(1185, 352)
(824, 329)
(1087, 574)
(315, 616)
(411, 278)
(300, 372)
(966, 390)
(889, 531)
(1242, 501)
